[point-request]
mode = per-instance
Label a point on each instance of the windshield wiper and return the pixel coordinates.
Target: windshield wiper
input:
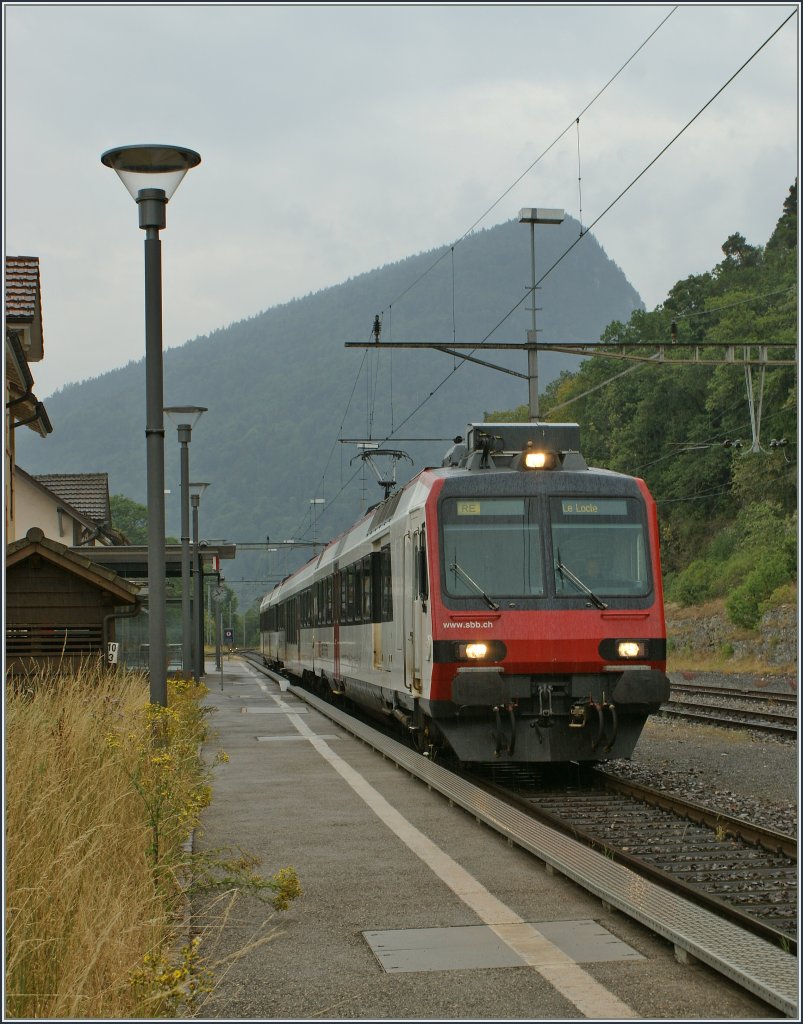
(569, 575)
(491, 604)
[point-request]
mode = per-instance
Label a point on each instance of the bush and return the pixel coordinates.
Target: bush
(694, 585)
(745, 604)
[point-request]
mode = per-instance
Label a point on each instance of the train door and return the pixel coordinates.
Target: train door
(336, 606)
(415, 589)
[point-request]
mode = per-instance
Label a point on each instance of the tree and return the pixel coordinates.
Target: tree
(130, 518)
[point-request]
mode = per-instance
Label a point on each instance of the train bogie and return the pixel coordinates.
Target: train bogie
(506, 605)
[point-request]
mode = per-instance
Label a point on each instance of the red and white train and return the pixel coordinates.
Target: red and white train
(507, 605)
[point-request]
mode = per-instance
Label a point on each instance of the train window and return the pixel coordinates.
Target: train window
(491, 546)
(366, 588)
(386, 584)
(422, 582)
(350, 587)
(357, 592)
(602, 542)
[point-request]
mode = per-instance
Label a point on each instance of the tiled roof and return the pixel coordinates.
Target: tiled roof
(22, 287)
(36, 541)
(88, 493)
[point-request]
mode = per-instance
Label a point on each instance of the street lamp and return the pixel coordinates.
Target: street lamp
(196, 490)
(139, 168)
(533, 216)
(185, 417)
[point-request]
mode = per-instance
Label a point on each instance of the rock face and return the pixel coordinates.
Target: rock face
(707, 633)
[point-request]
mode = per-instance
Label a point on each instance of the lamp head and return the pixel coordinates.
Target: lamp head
(184, 415)
(540, 215)
(151, 166)
(197, 489)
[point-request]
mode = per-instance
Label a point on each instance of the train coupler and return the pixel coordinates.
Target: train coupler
(545, 712)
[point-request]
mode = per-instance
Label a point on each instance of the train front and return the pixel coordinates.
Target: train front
(548, 632)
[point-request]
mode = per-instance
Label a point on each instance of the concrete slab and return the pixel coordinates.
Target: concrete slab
(477, 946)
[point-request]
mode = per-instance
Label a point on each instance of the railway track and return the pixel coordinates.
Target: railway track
(753, 696)
(741, 871)
(774, 722)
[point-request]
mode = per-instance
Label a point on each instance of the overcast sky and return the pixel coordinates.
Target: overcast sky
(335, 139)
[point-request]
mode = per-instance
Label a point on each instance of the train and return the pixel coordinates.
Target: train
(505, 606)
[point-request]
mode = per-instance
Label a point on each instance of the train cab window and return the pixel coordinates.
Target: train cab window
(602, 542)
(492, 547)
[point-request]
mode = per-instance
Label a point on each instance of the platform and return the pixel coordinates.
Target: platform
(411, 908)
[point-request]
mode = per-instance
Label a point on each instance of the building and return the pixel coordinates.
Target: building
(61, 608)
(24, 345)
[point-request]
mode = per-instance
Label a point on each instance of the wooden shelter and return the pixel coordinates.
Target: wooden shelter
(60, 606)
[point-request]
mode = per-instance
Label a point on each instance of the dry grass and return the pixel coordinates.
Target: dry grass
(690, 661)
(84, 905)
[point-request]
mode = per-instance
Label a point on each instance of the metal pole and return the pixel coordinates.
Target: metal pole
(152, 203)
(218, 629)
(532, 351)
(184, 435)
(198, 604)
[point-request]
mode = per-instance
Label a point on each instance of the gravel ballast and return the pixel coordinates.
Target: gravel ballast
(743, 774)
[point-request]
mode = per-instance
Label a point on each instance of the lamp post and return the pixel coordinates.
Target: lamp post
(196, 490)
(185, 417)
(533, 216)
(139, 168)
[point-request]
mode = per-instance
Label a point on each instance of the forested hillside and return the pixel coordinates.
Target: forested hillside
(727, 500)
(278, 385)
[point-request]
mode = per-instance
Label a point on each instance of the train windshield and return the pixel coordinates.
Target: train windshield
(601, 542)
(492, 548)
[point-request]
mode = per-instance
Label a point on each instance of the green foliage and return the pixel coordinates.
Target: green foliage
(745, 563)
(746, 604)
(694, 585)
(130, 518)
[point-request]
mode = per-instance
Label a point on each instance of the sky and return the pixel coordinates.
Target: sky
(335, 139)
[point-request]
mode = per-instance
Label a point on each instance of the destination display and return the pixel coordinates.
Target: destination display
(491, 507)
(594, 506)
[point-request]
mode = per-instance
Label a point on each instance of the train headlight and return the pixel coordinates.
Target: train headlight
(619, 649)
(631, 649)
(480, 650)
(539, 460)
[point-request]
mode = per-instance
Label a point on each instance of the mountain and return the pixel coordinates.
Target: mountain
(278, 385)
